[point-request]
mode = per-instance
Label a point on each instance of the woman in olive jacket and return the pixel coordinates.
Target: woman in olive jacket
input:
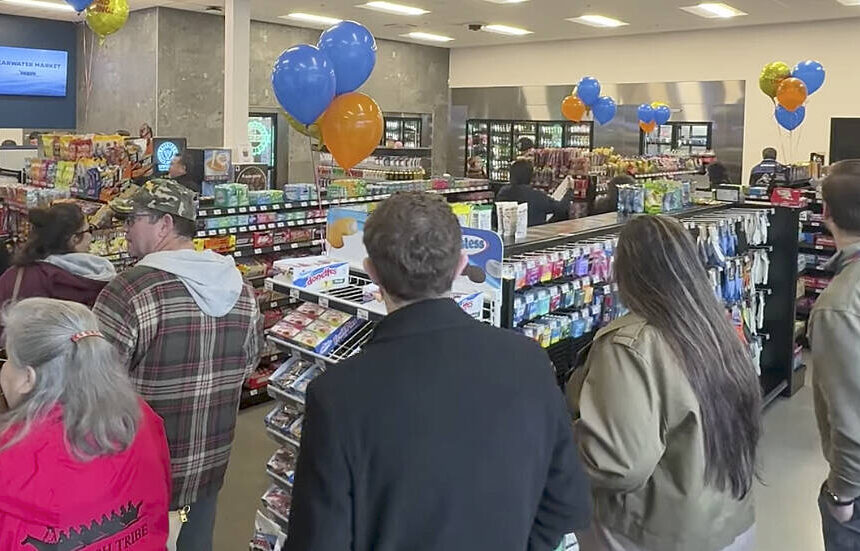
(668, 406)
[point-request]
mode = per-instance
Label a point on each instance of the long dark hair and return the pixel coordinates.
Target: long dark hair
(661, 278)
(50, 232)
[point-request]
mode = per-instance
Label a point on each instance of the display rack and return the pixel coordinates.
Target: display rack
(815, 249)
(780, 373)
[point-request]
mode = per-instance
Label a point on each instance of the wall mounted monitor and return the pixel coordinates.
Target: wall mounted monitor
(30, 72)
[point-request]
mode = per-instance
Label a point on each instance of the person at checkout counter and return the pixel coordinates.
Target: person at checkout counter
(542, 208)
(181, 169)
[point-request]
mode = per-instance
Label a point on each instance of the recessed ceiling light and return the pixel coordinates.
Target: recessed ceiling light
(396, 9)
(429, 37)
(505, 29)
(311, 18)
(41, 5)
(511, 1)
(714, 10)
(849, 2)
(598, 21)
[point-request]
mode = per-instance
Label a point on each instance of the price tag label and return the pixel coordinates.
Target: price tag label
(243, 229)
(271, 226)
(212, 232)
(362, 314)
(294, 293)
(216, 212)
(303, 204)
(231, 211)
(258, 251)
(323, 301)
(273, 304)
(222, 232)
(252, 209)
(276, 248)
(268, 285)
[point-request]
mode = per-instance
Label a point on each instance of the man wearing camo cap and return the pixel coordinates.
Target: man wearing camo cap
(189, 331)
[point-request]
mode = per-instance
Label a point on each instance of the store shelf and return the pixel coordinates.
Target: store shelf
(260, 227)
(347, 299)
(666, 174)
(279, 394)
(279, 480)
(282, 439)
(813, 224)
(819, 270)
(277, 517)
(253, 397)
(253, 209)
(772, 386)
(345, 350)
(251, 251)
(279, 303)
(808, 247)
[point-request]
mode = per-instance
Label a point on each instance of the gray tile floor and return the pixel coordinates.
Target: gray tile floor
(787, 515)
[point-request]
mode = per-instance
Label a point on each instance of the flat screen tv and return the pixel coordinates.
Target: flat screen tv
(29, 72)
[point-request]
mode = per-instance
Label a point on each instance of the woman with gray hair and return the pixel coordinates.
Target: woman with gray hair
(83, 460)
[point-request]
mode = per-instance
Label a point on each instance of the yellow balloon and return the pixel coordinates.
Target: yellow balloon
(656, 104)
(312, 130)
(106, 17)
(771, 76)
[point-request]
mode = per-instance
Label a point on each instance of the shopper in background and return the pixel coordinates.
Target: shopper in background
(718, 174)
(525, 150)
(54, 261)
(668, 413)
(180, 171)
(768, 171)
(83, 460)
(187, 329)
(443, 433)
(834, 334)
(608, 202)
(33, 138)
(542, 207)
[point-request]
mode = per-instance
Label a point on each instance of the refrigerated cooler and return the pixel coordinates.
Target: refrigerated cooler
(406, 130)
(495, 142)
(686, 138)
(263, 138)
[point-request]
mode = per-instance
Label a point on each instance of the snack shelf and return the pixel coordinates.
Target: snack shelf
(819, 269)
(277, 517)
(808, 247)
(250, 251)
(253, 209)
(281, 395)
(271, 305)
(253, 397)
(346, 299)
(282, 439)
(346, 349)
(279, 480)
(666, 174)
(259, 227)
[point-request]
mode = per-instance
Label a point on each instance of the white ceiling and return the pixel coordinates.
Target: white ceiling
(546, 18)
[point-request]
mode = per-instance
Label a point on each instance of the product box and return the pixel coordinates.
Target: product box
(316, 273)
(313, 339)
(472, 304)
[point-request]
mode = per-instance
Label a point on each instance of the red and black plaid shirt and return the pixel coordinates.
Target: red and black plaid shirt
(187, 365)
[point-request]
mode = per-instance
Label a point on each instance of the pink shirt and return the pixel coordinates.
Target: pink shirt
(50, 501)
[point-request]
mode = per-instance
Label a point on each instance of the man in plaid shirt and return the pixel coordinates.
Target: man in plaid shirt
(188, 329)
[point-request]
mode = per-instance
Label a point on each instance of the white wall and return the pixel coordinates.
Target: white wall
(725, 54)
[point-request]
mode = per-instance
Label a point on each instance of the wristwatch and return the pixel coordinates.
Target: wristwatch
(834, 499)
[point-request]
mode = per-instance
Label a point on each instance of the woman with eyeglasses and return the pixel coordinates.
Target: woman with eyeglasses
(55, 262)
(84, 463)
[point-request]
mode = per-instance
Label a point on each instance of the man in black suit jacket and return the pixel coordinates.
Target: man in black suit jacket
(443, 434)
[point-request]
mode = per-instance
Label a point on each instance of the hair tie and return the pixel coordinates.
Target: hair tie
(84, 334)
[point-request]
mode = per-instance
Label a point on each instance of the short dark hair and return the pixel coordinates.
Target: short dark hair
(841, 190)
(768, 153)
(187, 160)
(525, 144)
(414, 242)
(522, 172)
(183, 227)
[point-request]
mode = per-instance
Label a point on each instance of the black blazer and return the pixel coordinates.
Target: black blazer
(444, 434)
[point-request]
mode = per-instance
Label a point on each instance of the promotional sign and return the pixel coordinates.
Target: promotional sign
(483, 273)
(164, 150)
(29, 72)
(216, 165)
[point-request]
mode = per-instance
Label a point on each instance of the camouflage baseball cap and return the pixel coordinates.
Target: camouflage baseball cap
(161, 195)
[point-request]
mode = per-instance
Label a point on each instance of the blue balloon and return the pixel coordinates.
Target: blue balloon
(789, 119)
(662, 114)
(811, 73)
(646, 113)
(588, 90)
(352, 49)
(604, 109)
(80, 5)
(304, 82)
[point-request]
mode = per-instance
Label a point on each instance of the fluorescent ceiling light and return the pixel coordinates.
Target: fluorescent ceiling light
(504, 29)
(391, 7)
(598, 21)
(849, 2)
(518, 1)
(311, 18)
(430, 37)
(41, 5)
(714, 10)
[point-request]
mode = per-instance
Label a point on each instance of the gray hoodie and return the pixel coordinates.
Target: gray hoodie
(85, 265)
(212, 279)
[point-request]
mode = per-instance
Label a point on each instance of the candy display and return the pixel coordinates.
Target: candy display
(278, 501)
(282, 418)
(283, 464)
(319, 330)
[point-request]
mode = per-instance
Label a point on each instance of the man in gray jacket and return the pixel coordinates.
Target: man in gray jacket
(834, 334)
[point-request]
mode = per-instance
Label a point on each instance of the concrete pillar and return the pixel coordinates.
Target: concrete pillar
(237, 58)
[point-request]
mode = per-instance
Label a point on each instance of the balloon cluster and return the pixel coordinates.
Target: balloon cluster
(653, 115)
(587, 97)
(790, 88)
(104, 17)
(316, 86)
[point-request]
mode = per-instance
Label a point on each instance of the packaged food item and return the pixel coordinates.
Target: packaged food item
(482, 217)
(334, 317)
(507, 217)
(278, 501)
(522, 221)
(472, 304)
(312, 310)
(463, 212)
(314, 272)
(263, 239)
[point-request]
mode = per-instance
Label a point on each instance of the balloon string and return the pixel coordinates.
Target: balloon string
(316, 176)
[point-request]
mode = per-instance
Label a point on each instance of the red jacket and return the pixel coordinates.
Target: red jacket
(41, 279)
(50, 501)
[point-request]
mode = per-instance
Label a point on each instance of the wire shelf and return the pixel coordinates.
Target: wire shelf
(346, 349)
(347, 299)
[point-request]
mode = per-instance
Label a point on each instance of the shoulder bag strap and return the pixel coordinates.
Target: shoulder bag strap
(18, 277)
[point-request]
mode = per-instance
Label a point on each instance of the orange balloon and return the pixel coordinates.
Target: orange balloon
(352, 128)
(573, 108)
(791, 93)
(648, 127)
